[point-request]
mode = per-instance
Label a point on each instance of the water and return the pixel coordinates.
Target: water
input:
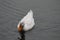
(46, 14)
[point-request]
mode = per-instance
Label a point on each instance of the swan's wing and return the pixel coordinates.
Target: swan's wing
(29, 24)
(28, 16)
(28, 20)
(25, 18)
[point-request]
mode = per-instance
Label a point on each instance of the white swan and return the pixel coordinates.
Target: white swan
(27, 22)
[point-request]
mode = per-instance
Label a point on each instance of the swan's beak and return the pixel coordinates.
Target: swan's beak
(20, 28)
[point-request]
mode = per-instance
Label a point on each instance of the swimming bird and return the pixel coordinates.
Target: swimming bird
(26, 23)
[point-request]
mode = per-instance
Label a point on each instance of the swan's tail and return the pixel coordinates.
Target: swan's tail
(30, 13)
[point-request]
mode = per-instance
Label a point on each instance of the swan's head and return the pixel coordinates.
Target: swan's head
(20, 27)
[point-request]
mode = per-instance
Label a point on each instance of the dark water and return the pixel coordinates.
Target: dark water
(46, 14)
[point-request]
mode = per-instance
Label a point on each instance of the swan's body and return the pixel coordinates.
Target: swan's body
(27, 22)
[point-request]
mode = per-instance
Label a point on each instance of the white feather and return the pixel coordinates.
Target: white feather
(28, 20)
